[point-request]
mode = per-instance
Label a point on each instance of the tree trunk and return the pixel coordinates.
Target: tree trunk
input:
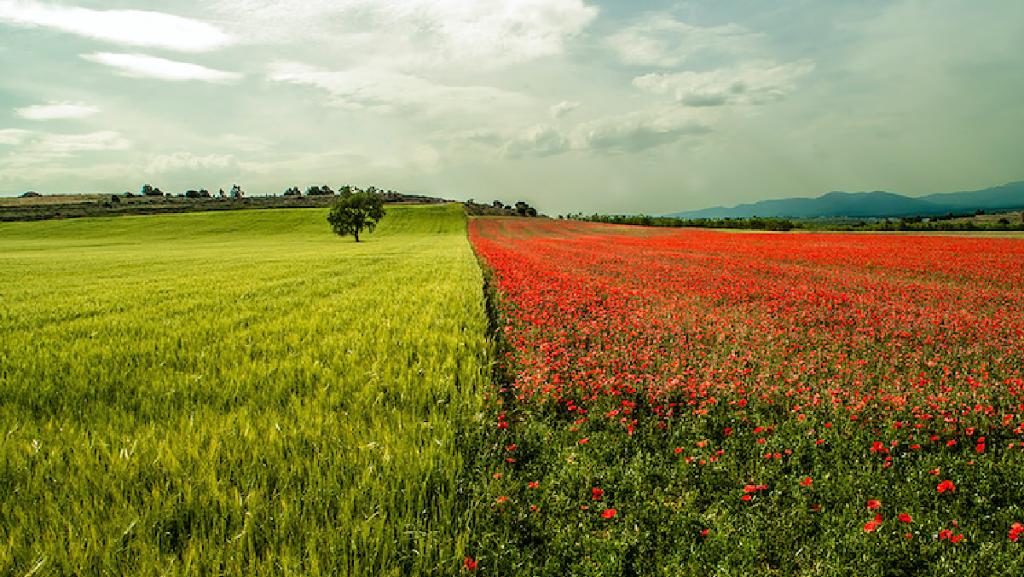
(356, 234)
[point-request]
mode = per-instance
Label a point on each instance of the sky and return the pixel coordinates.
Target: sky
(571, 105)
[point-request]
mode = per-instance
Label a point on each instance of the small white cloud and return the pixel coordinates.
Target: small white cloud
(12, 136)
(411, 35)
(636, 132)
(128, 27)
(563, 108)
(143, 66)
(539, 140)
(61, 144)
(661, 40)
(56, 111)
(186, 161)
(752, 83)
(245, 143)
(35, 148)
(385, 91)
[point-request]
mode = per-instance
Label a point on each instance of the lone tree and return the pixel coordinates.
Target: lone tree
(355, 212)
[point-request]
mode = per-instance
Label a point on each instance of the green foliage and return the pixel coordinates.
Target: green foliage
(352, 213)
(230, 394)
(753, 223)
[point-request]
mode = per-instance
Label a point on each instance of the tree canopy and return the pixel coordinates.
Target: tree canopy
(353, 213)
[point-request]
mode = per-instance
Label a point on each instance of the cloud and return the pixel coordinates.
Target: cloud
(35, 148)
(56, 111)
(751, 83)
(61, 144)
(563, 108)
(636, 132)
(143, 66)
(412, 34)
(245, 143)
(188, 162)
(539, 141)
(386, 91)
(661, 40)
(128, 27)
(13, 136)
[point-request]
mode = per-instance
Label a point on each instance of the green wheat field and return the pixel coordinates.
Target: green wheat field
(240, 393)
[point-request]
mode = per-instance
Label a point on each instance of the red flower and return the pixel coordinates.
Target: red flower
(905, 518)
(609, 513)
(596, 493)
(704, 532)
(501, 499)
(807, 482)
(745, 497)
(1016, 530)
(749, 488)
(533, 484)
(874, 504)
(469, 564)
(946, 485)
(873, 524)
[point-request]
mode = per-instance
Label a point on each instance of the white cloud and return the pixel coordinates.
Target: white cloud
(40, 148)
(751, 83)
(622, 134)
(56, 111)
(245, 143)
(411, 34)
(661, 40)
(563, 108)
(12, 136)
(188, 162)
(385, 91)
(129, 27)
(539, 140)
(94, 141)
(636, 132)
(143, 66)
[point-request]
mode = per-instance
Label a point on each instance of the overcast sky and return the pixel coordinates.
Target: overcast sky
(617, 106)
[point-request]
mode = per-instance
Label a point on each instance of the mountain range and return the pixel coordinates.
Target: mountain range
(874, 204)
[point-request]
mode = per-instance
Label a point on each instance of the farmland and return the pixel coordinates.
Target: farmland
(707, 403)
(237, 393)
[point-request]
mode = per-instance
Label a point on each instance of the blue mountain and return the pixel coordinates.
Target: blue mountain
(873, 204)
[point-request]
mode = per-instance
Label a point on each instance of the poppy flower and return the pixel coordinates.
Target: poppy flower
(1016, 530)
(874, 504)
(609, 513)
(596, 493)
(946, 485)
(469, 564)
(533, 484)
(873, 524)
(807, 482)
(905, 518)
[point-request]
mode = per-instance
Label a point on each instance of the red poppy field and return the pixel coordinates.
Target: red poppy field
(709, 403)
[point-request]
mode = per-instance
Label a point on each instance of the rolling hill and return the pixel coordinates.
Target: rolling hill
(873, 204)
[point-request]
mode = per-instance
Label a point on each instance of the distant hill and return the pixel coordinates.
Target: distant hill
(873, 204)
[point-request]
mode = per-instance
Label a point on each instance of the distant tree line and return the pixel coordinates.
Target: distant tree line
(936, 224)
(909, 223)
(499, 208)
(150, 191)
(752, 223)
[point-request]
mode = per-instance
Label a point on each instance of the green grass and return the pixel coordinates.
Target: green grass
(237, 393)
